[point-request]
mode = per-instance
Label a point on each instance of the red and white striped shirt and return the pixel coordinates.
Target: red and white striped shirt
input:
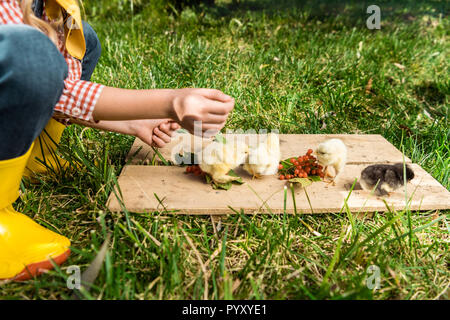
(79, 97)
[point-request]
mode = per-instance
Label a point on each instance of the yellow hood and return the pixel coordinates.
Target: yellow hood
(73, 27)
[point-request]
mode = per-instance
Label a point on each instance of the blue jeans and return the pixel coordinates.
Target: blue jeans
(32, 74)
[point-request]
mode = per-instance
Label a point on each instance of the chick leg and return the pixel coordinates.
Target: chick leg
(327, 174)
(330, 181)
(333, 182)
(380, 192)
(338, 168)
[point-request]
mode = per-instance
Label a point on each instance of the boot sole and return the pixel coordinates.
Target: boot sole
(33, 270)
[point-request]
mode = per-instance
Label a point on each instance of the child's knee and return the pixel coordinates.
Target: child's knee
(31, 67)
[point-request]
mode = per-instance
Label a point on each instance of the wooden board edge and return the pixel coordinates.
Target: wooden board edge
(137, 144)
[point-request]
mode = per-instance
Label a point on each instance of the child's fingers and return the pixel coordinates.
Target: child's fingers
(215, 119)
(169, 128)
(211, 129)
(158, 142)
(215, 94)
(164, 127)
(163, 136)
(220, 108)
(174, 126)
(213, 126)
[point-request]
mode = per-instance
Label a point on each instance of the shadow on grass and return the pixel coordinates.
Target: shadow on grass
(354, 11)
(430, 92)
(329, 6)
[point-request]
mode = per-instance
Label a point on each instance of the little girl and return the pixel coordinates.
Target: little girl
(47, 56)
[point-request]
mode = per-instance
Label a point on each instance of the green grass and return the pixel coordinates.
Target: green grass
(287, 63)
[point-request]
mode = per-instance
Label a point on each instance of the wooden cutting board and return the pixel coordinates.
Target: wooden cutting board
(142, 185)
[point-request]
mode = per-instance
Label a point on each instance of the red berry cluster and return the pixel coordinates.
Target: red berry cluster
(195, 169)
(300, 167)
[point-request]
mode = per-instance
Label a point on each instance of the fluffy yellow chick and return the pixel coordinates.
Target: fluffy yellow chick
(332, 152)
(219, 158)
(264, 158)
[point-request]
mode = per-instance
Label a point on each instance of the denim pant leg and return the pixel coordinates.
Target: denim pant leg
(32, 73)
(93, 52)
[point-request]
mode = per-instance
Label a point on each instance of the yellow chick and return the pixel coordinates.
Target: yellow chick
(264, 158)
(219, 158)
(332, 152)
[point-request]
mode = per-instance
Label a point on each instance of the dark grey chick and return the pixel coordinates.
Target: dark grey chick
(386, 177)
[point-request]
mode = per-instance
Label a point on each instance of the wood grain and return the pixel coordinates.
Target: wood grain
(182, 193)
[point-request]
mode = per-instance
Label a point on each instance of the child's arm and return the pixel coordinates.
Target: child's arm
(184, 106)
(153, 132)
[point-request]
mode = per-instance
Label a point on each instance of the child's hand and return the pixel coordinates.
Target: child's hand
(155, 133)
(210, 106)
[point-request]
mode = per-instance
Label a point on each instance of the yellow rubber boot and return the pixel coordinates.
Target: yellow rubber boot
(25, 247)
(43, 157)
